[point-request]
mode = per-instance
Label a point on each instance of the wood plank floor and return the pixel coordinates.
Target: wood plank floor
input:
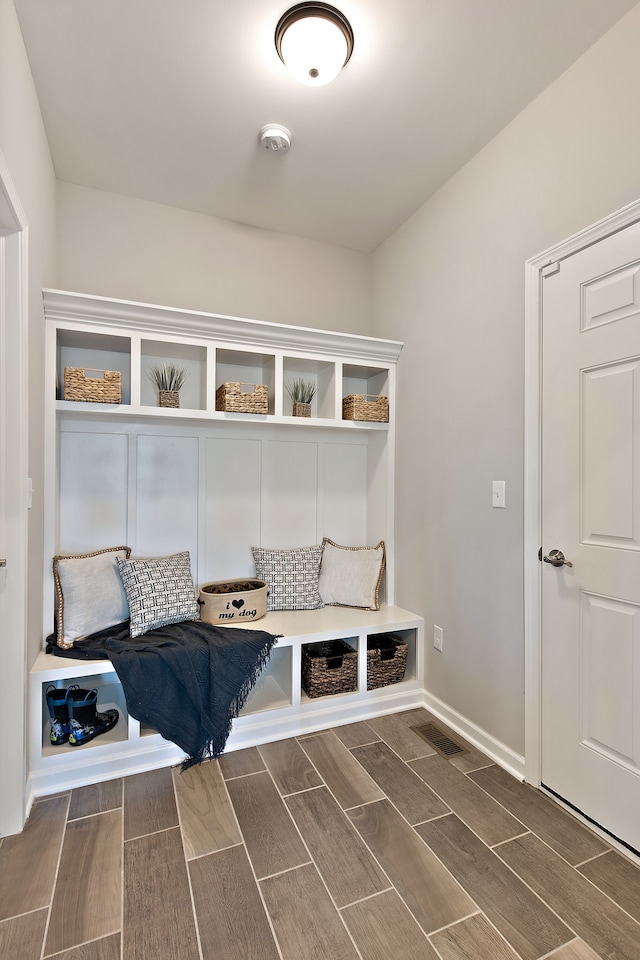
(352, 844)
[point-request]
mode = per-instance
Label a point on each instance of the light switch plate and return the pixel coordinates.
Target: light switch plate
(498, 494)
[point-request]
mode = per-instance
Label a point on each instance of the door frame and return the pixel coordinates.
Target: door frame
(535, 269)
(13, 329)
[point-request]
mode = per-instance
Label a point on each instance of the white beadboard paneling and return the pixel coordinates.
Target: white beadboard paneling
(167, 496)
(289, 494)
(232, 507)
(93, 491)
(343, 514)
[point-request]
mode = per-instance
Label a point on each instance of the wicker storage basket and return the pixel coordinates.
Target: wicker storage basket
(329, 667)
(236, 397)
(105, 388)
(386, 660)
(363, 406)
(232, 601)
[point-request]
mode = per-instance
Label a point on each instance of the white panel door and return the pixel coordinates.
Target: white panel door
(167, 496)
(289, 494)
(591, 512)
(232, 507)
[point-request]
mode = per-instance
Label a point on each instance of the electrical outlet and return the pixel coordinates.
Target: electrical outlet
(438, 636)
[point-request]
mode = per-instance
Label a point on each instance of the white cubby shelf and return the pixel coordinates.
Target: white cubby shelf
(163, 480)
(213, 350)
(276, 708)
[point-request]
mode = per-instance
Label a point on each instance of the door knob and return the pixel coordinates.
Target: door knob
(3, 563)
(556, 559)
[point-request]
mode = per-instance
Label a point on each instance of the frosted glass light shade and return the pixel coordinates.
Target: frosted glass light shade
(314, 41)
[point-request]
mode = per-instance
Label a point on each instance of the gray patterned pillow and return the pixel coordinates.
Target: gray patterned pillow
(160, 591)
(291, 577)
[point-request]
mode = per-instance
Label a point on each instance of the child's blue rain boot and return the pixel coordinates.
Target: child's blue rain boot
(58, 704)
(85, 722)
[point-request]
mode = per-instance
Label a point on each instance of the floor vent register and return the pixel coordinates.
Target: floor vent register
(440, 741)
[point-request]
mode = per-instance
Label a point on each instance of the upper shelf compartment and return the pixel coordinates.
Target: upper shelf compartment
(249, 370)
(365, 380)
(190, 358)
(321, 375)
(93, 353)
(366, 394)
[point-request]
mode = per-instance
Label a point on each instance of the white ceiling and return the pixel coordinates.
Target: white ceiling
(164, 99)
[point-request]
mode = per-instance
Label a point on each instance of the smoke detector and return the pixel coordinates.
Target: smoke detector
(275, 137)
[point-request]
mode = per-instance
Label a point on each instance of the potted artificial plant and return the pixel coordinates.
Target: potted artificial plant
(168, 378)
(302, 393)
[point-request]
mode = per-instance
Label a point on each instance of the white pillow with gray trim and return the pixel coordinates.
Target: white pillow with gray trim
(89, 594)
(351, 576)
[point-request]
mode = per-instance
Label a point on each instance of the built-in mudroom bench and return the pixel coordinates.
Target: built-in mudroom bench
(217, 482)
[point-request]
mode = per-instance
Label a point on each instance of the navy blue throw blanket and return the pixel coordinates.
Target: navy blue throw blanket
(187, 680)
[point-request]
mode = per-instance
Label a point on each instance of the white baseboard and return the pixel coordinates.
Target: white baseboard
(119, 760)
(504, 756)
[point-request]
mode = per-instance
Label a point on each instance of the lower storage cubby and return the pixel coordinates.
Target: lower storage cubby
(110, 696)
(329, 667)
(387, 655)
(272, 690)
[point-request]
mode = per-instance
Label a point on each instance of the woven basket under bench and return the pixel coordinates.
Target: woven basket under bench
(329, 667)
(386, 660)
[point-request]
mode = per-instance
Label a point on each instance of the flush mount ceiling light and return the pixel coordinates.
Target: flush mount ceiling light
(314, 41)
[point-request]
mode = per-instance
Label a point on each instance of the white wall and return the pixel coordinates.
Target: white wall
(25, 149)
(450, 282)
(130, 249)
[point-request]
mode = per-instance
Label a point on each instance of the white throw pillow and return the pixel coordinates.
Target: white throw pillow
(89, 594)
(160, 590)
(351, 576)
